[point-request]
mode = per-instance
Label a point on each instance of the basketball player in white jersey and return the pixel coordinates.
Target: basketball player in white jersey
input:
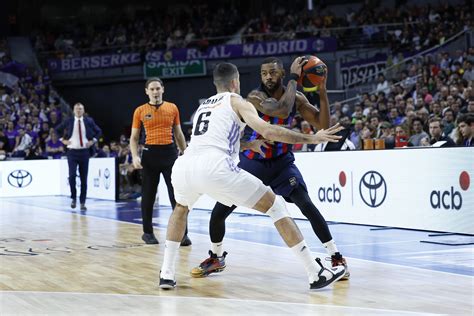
(209, 166)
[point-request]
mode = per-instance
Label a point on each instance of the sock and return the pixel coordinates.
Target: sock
(301, 250)
(216, 248)
(331, 247)
(169, 260)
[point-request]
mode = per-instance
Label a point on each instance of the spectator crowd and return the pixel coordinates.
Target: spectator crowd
(426, 102)
(414, 27)
(147, 30)
(403, 29)
(432, 103)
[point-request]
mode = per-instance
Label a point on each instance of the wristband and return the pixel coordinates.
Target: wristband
(294, 77)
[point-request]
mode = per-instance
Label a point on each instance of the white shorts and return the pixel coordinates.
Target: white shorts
(216, 175)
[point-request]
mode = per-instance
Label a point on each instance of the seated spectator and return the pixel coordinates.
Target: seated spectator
(401, 137)
(418, 132)
(115, 149)
(468, 71)
(306, 129)
(357, 114)
(465, 130)
(54, 147)
(3, 145)
(355, 135)
(54, 119)
(32, 133)
(382, 85)
(44, 134)
(394, 117)
(12, 135)
(368, 133)
(436, 110)
(105, 152)
(386, 133)
(24, 142)
(448, 121)
(436, 134)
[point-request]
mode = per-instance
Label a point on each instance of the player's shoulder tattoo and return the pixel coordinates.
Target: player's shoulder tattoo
(257, 94)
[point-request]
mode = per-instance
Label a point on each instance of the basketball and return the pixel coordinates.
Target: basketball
(314, 72)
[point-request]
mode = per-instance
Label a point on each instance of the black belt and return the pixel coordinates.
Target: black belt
(168, 146)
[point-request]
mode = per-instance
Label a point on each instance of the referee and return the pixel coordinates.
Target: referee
(160, 120)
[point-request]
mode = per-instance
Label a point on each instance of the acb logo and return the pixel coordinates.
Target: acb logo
(450, 199)
(332, 194)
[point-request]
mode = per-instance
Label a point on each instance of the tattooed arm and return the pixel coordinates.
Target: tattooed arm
(271, 106)
(318, 119)
(277, 133)
(279, 108)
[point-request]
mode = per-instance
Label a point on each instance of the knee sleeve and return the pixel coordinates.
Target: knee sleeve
(217, 222)
(278, 209)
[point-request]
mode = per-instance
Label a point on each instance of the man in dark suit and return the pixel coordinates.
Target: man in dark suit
(79, 134)
(436, 133)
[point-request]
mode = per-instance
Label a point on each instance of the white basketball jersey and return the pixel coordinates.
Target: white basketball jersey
(217, 126)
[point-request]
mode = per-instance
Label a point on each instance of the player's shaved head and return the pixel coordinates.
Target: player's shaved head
(224, 73)
(273, 60)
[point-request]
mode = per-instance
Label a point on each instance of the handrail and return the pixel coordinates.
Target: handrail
(406, 60)
(370, 92)
(242, 36)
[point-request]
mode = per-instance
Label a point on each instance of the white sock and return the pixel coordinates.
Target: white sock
(169, 260)
(331, 247)
(301, 250)
(216, 248)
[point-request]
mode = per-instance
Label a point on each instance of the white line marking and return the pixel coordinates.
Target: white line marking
(256, 243)
(245, 301)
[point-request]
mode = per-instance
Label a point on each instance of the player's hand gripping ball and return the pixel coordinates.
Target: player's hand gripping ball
(312, 74)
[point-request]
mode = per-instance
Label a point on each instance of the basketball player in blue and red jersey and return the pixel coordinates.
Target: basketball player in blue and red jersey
(273, 162)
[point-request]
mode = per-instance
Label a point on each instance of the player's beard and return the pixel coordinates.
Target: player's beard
(274, 86)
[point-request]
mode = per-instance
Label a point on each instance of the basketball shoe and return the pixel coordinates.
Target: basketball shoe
(167, 284)
(213, 264)
(327, 276)
(338, 260)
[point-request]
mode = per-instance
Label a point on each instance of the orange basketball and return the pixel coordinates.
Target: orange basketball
(314, 72)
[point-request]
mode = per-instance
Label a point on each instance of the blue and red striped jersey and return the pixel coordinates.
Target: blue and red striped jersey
(276, 149)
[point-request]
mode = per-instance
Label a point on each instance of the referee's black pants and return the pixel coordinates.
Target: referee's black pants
(156, 160)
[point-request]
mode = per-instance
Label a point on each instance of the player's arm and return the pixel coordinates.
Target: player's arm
(318, 119)
(277, 133)
(271, 106)
(179, 138)
(279, 108)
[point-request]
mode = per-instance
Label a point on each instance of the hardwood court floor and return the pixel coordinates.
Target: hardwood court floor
(56, 262)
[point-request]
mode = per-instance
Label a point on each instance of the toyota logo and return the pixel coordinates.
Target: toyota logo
(372, 188)
(107, 178)
(19, 178)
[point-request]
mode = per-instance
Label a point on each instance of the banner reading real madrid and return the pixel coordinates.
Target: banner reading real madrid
(297, 46)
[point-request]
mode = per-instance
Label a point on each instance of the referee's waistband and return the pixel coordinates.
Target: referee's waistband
(167, 146)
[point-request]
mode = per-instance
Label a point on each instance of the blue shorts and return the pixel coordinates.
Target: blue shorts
(280, 173)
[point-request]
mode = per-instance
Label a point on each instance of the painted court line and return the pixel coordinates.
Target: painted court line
(257, 243)
(244, 301)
